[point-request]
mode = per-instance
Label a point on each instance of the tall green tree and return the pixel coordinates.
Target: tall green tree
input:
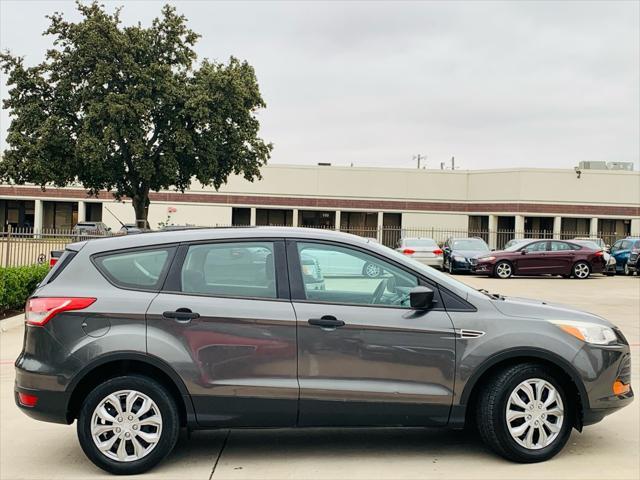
(127, 109)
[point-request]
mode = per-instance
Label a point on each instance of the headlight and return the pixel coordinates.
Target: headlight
(486, 259)
(587, 332)
(459, 259)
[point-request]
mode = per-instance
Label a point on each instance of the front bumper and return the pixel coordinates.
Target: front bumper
(600, 368)
(460, 266)
(482, 268)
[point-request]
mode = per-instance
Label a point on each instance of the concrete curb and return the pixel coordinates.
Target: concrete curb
(11, 322)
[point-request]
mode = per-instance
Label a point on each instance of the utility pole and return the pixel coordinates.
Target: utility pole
(453, 163)
(419, 157)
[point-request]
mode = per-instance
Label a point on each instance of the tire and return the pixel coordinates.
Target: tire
(371, 270)
(503, 269)
(162, 436)
(581, 270)
(495, 403)
(451, 270)
(627, 272)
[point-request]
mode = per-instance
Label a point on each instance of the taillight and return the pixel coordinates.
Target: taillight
(438, 251)
(42, 309)
(408, 251)
(52, 261)
(599, 253)
(27, 400)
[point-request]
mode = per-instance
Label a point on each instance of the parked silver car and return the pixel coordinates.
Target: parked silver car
(423, 250)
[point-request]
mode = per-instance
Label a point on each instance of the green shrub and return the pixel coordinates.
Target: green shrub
(17, 283)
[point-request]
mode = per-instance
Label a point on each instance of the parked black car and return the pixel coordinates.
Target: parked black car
(459, 251)
(633, 264)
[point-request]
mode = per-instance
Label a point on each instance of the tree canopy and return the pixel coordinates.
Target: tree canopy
(128, 109)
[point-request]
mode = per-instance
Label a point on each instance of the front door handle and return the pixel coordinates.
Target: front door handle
(182, 315)
(327, 321)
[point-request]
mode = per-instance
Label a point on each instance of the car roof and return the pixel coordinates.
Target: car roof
(221, 233)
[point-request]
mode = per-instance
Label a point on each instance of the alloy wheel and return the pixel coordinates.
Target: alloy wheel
(534, 414)
(581, 270)
(126, 425)
(503, 270)
(372, 270)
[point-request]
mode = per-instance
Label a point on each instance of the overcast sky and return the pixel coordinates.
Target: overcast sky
(497, 84)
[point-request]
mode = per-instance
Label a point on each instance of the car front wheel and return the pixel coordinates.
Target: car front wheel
(128, 424)
(524, 415)
(503, 269)
(626, 269)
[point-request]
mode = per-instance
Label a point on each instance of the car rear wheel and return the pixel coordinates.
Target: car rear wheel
(626, 269)
(524, 415)
(581, 270)
(503, 269)
(128, 424)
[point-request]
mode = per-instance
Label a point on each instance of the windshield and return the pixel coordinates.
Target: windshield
(419, 242)
(473, 244)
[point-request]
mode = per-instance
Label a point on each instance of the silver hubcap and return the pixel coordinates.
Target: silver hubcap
(372, 270)
(581, 270)
(534, 414)
(503, 270)
(126, 425)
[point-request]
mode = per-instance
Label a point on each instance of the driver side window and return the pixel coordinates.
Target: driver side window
(536, 247)
(335, 274)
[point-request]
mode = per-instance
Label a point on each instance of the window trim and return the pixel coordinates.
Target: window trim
(171, 250)
(296, 283)
(173, 280)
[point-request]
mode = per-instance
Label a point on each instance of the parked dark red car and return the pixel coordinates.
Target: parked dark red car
(542, 257)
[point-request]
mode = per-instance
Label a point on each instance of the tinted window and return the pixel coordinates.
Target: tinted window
(419, 242)
(142, 269)
(240, 269)
(626, 245)
(560, 246)
(536, 247)
(342, 275)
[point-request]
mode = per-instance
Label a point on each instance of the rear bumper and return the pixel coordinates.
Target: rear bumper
(430, 261)
(51, 406)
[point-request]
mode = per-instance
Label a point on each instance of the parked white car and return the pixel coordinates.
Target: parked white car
(424, 250)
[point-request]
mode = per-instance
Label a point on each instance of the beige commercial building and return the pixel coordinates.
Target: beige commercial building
(369, 201)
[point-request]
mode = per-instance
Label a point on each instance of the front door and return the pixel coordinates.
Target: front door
(533, 259)
(364, 356)
(225, 324)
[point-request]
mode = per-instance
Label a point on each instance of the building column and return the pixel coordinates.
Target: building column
(82, 211)
(557, 228)
(294, 218)
(593, 227)
(519, 226)
(38, 214)
(380, 226)
(336, 225)
(252, 217)
(493, 231)
(635, 227)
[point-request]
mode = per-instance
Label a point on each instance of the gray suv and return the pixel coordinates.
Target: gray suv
(137, 336)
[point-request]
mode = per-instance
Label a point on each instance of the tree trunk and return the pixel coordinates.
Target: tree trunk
(141, 207)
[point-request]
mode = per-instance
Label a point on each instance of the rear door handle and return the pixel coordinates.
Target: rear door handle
(327, 321)
(183, 315)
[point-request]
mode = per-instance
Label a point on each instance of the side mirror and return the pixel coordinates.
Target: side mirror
(421, 298)
(523, 252)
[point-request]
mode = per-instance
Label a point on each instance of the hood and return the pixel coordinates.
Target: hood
(530, 308)
(468, 253)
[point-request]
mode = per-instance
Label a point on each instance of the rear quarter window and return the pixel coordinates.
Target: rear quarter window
(135, 269)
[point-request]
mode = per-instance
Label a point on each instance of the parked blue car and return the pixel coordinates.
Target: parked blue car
(621, 251)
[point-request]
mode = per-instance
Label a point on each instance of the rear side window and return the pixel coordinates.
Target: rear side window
(241, 269)
(56, 270)
(136, 269)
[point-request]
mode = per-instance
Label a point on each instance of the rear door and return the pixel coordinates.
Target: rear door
(561, 256)
(364, 356)
(226, 325)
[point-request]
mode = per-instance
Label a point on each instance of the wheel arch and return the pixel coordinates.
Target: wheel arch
(126, 363)
(522, 355)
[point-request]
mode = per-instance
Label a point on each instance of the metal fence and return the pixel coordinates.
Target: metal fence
(26, 246)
